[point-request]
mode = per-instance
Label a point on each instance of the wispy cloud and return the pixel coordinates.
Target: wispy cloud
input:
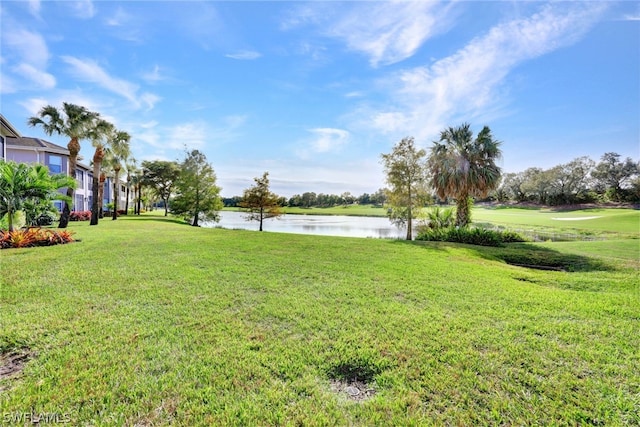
(28, 53)
(323, 140)
(118, 19)
(40, 78)
(244, 55)
(83, 9)
(154, 76)
(34, 8)
(89, 70)
(30, 46)
(386, 32)
(467, 83)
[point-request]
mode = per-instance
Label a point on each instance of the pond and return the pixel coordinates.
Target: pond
(325, 225)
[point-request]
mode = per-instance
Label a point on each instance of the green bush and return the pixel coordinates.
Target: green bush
(470, 235)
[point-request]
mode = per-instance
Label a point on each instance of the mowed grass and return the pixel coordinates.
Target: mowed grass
(150, 322)
(606, 222)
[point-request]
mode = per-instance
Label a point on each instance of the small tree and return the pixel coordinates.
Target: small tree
(21, 183)
(406, 176)
(161, 176)
(196, 191)
(463, 167)
(260, 201)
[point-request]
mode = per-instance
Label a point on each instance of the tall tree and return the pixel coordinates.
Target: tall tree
(197, 194)
(74, 122)
(612, 174)
(119, 152)
(463, 167)
(99, 135)
(406, 175)
(260, 201)
(21, 183)
(131, 167)
(161, 176)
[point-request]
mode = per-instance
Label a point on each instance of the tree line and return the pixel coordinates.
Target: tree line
(582, 180)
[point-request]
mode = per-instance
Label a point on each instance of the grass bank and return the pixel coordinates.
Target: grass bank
(150, 322)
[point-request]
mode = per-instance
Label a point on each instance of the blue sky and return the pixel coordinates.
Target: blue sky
(315, 92)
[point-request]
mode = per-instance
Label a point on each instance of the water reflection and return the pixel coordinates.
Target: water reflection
(346, 226)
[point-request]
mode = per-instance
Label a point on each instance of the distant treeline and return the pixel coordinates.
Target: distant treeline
(311, 199)
(582, 180)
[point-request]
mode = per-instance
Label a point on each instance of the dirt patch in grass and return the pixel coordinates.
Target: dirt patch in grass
(12, 363)
(354, 380)
(353, 390)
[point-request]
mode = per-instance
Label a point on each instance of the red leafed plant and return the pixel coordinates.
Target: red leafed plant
(28, 237)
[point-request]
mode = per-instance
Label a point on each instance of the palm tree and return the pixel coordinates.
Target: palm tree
(21, 182)
(118, 153)
(99, 138)
(463, 167)
(131, 166)
(73, 121)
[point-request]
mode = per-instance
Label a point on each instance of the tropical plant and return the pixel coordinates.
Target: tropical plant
(260, 201)
(406, 175)
(99, 136)
(22, 183)
(196, 191)
(462, 167)
(75, 122)
(438, 218)
(131, 166)
(161, 176)
(118, 152)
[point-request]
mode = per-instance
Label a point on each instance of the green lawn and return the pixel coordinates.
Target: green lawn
(603, 222)
(150, 322)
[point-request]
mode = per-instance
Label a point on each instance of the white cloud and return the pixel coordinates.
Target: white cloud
(467, 84)
(8, 84)
(29, 46)
(83, 9)
(89, 70)
(193, 135)
(34, 7)
(119, 18)
(153, 76)
(387, 32)
(149, 100)
(244, 55)
(41, 79)
(323, 140)
(28, 53)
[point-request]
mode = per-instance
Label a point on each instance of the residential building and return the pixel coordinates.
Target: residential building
(23, 149)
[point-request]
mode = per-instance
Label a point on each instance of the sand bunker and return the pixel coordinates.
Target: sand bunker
(581, 218)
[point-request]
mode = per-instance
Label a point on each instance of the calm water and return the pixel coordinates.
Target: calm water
(347, 226)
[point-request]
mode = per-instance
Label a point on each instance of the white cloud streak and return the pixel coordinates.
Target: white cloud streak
(246, 55)
(387, 32)
(89, 70)
(467, 83)
(323, 140)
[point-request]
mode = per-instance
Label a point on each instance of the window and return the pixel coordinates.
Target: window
(79, 205)
(80, 178)
(58, 205)
(55, 164)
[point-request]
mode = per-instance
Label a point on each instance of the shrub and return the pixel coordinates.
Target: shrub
(471, 236)
(80, 216)
(29, 237)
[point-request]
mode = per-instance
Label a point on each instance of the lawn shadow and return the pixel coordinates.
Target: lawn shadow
(154, 218)
(525, 255)
(528, 255)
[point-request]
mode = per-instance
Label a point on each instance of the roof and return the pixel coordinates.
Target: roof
(7, 129)
(36, 143)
